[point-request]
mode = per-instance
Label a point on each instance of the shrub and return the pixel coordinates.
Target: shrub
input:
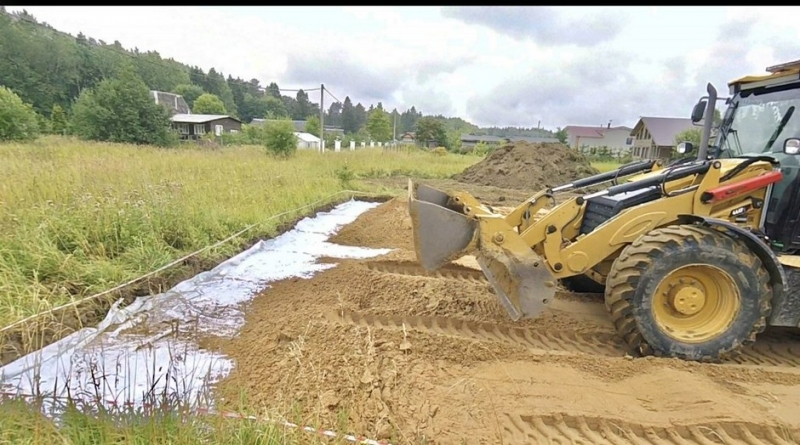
(18, 120)
(345, 176)
(439, 151)
(483, 149)
(280, 139)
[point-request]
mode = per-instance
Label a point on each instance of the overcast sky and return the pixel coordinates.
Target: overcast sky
(492, 66)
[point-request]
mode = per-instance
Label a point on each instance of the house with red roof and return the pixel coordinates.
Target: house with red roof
(655, 136)
(617, 140)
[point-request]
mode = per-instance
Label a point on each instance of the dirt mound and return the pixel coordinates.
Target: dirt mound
(527, 166)
(386, 226)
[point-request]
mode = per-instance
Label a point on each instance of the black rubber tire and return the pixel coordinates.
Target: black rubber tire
(642, 264)
(582, 284)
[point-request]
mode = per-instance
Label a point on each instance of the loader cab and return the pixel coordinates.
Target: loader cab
(763, 119)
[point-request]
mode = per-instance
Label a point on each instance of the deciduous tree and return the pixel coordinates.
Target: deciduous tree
(379, 126)
(312, 125)
(58, 120)
(431, 129)
(692, 135)
(121, 110)
(208, 103)
(189, 92)
(18, 121)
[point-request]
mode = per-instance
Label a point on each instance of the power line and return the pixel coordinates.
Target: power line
(301, 89)
(331, 94)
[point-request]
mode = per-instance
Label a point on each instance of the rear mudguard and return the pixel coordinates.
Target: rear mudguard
(785, 303)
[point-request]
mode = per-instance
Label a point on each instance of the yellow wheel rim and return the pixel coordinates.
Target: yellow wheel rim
(696, 303)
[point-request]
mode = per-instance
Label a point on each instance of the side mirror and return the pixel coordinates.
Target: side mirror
(791, 146)
(698, 111)
(687, 147)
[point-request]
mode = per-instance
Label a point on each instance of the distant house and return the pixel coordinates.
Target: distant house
(469, 141)
(617, 139)
(306, 140)
(409, 137)
(300, 126)
(194, 126)
(175, 103)
(335, 130)
(530, 139)
(655, 136)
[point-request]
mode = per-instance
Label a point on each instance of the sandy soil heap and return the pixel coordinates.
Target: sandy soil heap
(387, 226)
(526, 166)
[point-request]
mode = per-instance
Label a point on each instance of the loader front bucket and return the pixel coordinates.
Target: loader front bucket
(520, 280)
(443, 233)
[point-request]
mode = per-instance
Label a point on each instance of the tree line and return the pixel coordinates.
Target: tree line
(51, 71)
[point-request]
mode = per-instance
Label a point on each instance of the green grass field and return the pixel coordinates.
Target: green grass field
(78, 218)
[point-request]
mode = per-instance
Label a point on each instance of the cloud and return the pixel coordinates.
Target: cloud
(598, 85)
(341, 73)
(492, 66)
(544, 25)
(369, 82)
(590, 89)
(429, 69)
(429, 100)
(726, 57)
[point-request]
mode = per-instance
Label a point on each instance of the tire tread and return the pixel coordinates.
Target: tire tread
(635, 258)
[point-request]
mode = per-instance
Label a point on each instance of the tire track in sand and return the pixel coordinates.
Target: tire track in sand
(766, 353)
(597, 430)
(410, 268)
(769, 350)
(773, 350)
(596, 343)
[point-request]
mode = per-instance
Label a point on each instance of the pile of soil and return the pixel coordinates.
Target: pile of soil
(386, 226)
(528, 166)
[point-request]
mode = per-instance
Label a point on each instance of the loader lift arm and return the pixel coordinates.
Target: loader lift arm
(695, 258)
(523, 259)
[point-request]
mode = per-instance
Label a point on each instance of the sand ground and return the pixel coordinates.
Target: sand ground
(387, 350)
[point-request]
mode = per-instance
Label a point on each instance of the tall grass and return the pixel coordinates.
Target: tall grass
(78, 218)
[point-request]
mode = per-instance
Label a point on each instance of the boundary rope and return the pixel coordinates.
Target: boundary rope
(179, 260)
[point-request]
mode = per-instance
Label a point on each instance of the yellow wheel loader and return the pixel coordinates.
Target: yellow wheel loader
(695, 257)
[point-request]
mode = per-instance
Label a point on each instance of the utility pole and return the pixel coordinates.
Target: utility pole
(321, 117)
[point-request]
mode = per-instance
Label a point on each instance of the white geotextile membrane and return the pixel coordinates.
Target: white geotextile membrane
(158, 353)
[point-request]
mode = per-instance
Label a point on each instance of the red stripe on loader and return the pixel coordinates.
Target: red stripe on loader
(741, 187)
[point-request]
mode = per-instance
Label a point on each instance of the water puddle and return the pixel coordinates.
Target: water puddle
(149, 348)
